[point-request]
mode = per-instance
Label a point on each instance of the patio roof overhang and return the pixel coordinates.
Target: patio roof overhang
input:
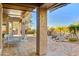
(19, 9)
(31, 6)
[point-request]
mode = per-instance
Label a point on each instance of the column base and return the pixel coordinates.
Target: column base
(0, 52)
(40, 54)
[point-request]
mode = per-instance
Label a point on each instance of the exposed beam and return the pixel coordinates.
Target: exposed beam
(16, 7)
(47, 5)
(30, 5)
(53, 6)
(14, 19)
(59, 5)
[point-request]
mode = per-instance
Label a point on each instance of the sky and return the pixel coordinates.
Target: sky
(61, 17)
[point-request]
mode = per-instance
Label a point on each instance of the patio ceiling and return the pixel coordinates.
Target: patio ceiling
(18, 9)
(13, 13)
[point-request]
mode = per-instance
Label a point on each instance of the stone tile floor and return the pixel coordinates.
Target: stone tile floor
(27, 48)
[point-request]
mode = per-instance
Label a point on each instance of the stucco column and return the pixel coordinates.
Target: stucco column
(26, 19)
(7, 26)
(41, 41)
(11, 28)
(19, 28)
(23, 28)
(1, 19)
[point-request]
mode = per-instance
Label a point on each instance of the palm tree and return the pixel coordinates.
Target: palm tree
(77, 27)
(73, 29)
(60, 29)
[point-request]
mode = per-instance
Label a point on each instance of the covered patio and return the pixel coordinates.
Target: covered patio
(21, 13)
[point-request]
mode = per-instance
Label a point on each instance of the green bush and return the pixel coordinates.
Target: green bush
(72, 40)
(30, 31)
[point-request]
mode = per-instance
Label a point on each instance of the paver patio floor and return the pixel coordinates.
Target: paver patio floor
(28, 48)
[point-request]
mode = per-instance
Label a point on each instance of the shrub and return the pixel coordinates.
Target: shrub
(73, 39)
(30, 31)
